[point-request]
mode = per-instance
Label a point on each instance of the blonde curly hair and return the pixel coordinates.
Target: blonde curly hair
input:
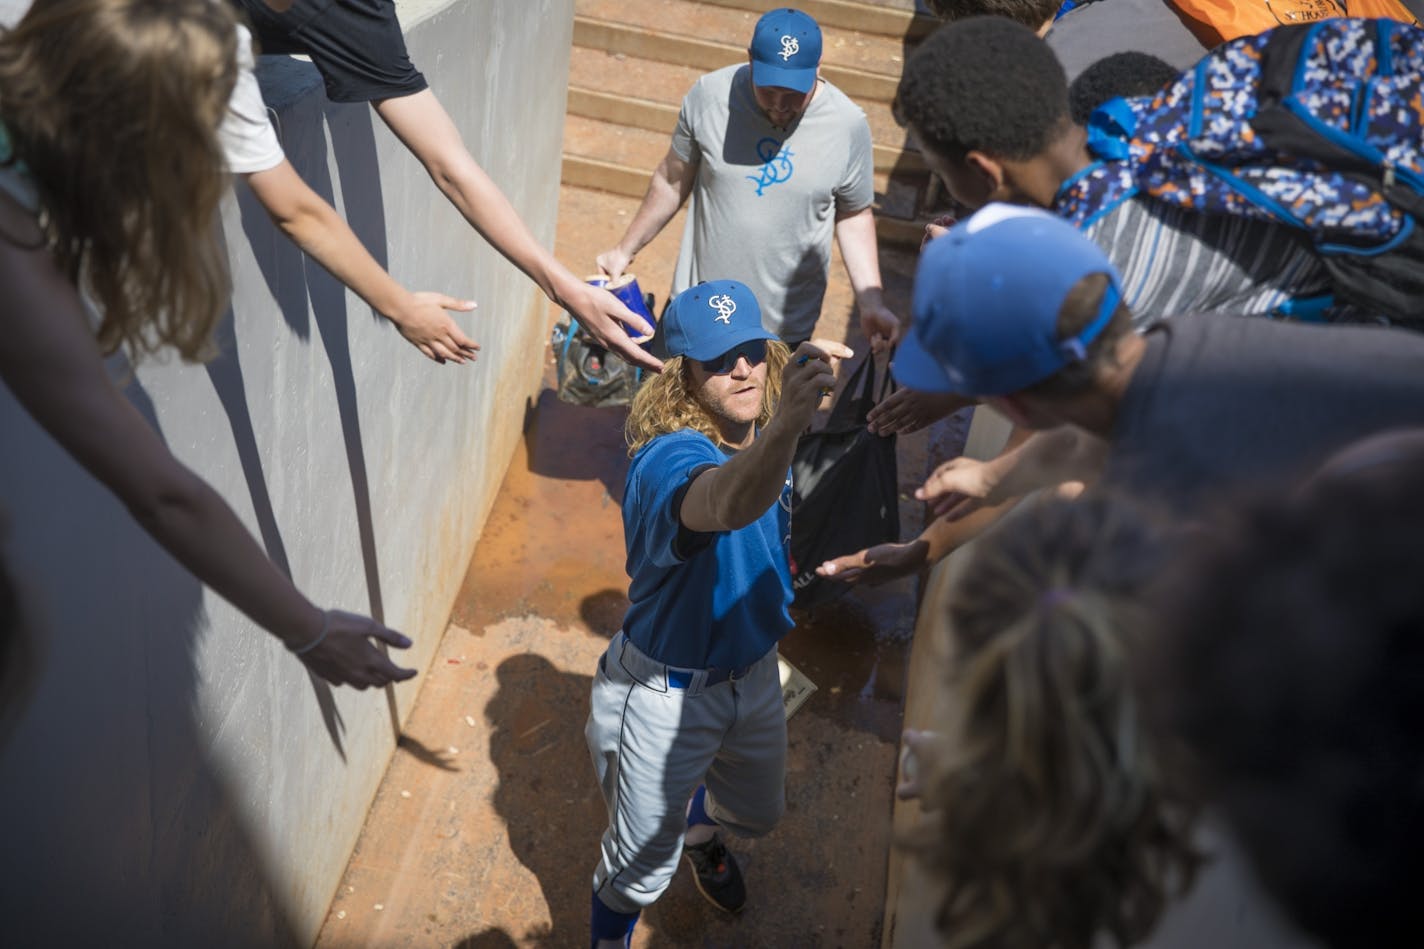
(668, 403)
(1049, 819)
(113, 107)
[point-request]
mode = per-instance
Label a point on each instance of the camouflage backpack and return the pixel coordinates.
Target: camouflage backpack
(1319, 127)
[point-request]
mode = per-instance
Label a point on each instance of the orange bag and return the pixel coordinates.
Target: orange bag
(1216, 21)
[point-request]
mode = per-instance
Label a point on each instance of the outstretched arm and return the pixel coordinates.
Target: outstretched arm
(1046, 458)
(50, 362)
(421, 123)
(855, 233)
(315, 227)
(671, 184)
(735, 494)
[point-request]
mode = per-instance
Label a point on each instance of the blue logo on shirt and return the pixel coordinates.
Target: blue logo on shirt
(776, 165)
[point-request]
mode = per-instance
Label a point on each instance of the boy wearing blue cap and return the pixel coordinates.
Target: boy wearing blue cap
(686, 703)
(1018, 308)
(777, 162)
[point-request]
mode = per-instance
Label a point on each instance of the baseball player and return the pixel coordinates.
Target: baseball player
(686, 729)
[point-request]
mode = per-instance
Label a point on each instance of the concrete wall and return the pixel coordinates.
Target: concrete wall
(176, 778)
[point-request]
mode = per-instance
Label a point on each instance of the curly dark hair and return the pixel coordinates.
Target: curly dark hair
(1031, 13)
(984, 84)
(1121, 74)
(1292, 665)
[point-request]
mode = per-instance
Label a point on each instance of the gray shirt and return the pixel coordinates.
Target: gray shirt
(1220, 404)
(1173, 260)
(765, 200)
(1086, 34)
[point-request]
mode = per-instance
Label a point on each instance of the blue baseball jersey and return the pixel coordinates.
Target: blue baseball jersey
(701, 600)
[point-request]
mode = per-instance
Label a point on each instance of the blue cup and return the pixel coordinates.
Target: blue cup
(626, 289)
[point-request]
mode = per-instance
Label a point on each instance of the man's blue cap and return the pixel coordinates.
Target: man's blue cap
(705, 321)
(786, 49)
(986, 302)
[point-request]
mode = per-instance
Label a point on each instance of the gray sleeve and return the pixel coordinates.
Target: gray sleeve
(857, 188)
(684, 137)
(1093, 31)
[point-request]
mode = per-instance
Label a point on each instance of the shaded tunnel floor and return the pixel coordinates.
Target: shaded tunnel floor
(485, 830)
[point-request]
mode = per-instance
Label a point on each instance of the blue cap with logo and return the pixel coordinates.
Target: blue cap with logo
(705, 321)
(986, 302)
(786, 49)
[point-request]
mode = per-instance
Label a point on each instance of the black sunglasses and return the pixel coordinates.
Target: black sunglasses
(753, 349)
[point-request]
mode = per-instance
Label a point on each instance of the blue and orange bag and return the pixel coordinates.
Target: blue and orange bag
(1319, 127)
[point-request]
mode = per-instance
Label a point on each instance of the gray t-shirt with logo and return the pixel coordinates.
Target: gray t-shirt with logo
(765, 199)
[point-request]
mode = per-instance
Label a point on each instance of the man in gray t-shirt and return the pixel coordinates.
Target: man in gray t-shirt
(777, 161)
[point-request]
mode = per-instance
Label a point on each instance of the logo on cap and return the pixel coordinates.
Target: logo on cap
(725, 307)
(790, 46)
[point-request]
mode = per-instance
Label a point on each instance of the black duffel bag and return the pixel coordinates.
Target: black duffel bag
(844, 489)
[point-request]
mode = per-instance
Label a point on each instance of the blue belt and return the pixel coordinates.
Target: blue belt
(643, 667)
(681, 679)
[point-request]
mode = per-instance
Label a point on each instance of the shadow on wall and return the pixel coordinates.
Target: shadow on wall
(134, 834)
(118, 821)
(294, 281)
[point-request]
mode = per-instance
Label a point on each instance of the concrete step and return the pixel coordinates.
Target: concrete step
(643, 83)
(731, 25)
(885, 19)
(662, 45)
(661, 117)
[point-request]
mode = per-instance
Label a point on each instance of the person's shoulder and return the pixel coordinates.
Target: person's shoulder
(833, 99)
(675, 448)
(717, 82)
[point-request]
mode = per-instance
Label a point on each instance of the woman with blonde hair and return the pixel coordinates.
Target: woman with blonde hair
(1049, 822)
(110, 178)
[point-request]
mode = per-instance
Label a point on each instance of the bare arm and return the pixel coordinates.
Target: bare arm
(733, 495)
(51, 364)
(422, 124)
(315, 227)
(1047, 458)
(667, 191)
(855, 233)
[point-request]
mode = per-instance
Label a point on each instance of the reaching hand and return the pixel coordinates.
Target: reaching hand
(877, 564)
(915, 748)
(880, 326)
(936, 228)
(808, 378)
(959, 487)
(613, 262)
(604, 316)
(346, 655)
(908, 410)
(427, 327)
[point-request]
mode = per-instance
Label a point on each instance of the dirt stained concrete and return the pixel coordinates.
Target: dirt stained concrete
(485, 831)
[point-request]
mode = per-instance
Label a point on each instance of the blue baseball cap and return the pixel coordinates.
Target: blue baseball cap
(986, 302)
(786, 49)
(705, 321)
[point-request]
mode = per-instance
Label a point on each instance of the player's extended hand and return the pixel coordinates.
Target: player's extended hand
(346, 655)
(613, 262)
(908, 410)
(959, 487)
(603, 315)
(808, 378)
(427, 326)
(878, 564)
(880, 326)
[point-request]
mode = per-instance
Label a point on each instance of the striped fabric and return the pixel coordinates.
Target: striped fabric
(1175, 261)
